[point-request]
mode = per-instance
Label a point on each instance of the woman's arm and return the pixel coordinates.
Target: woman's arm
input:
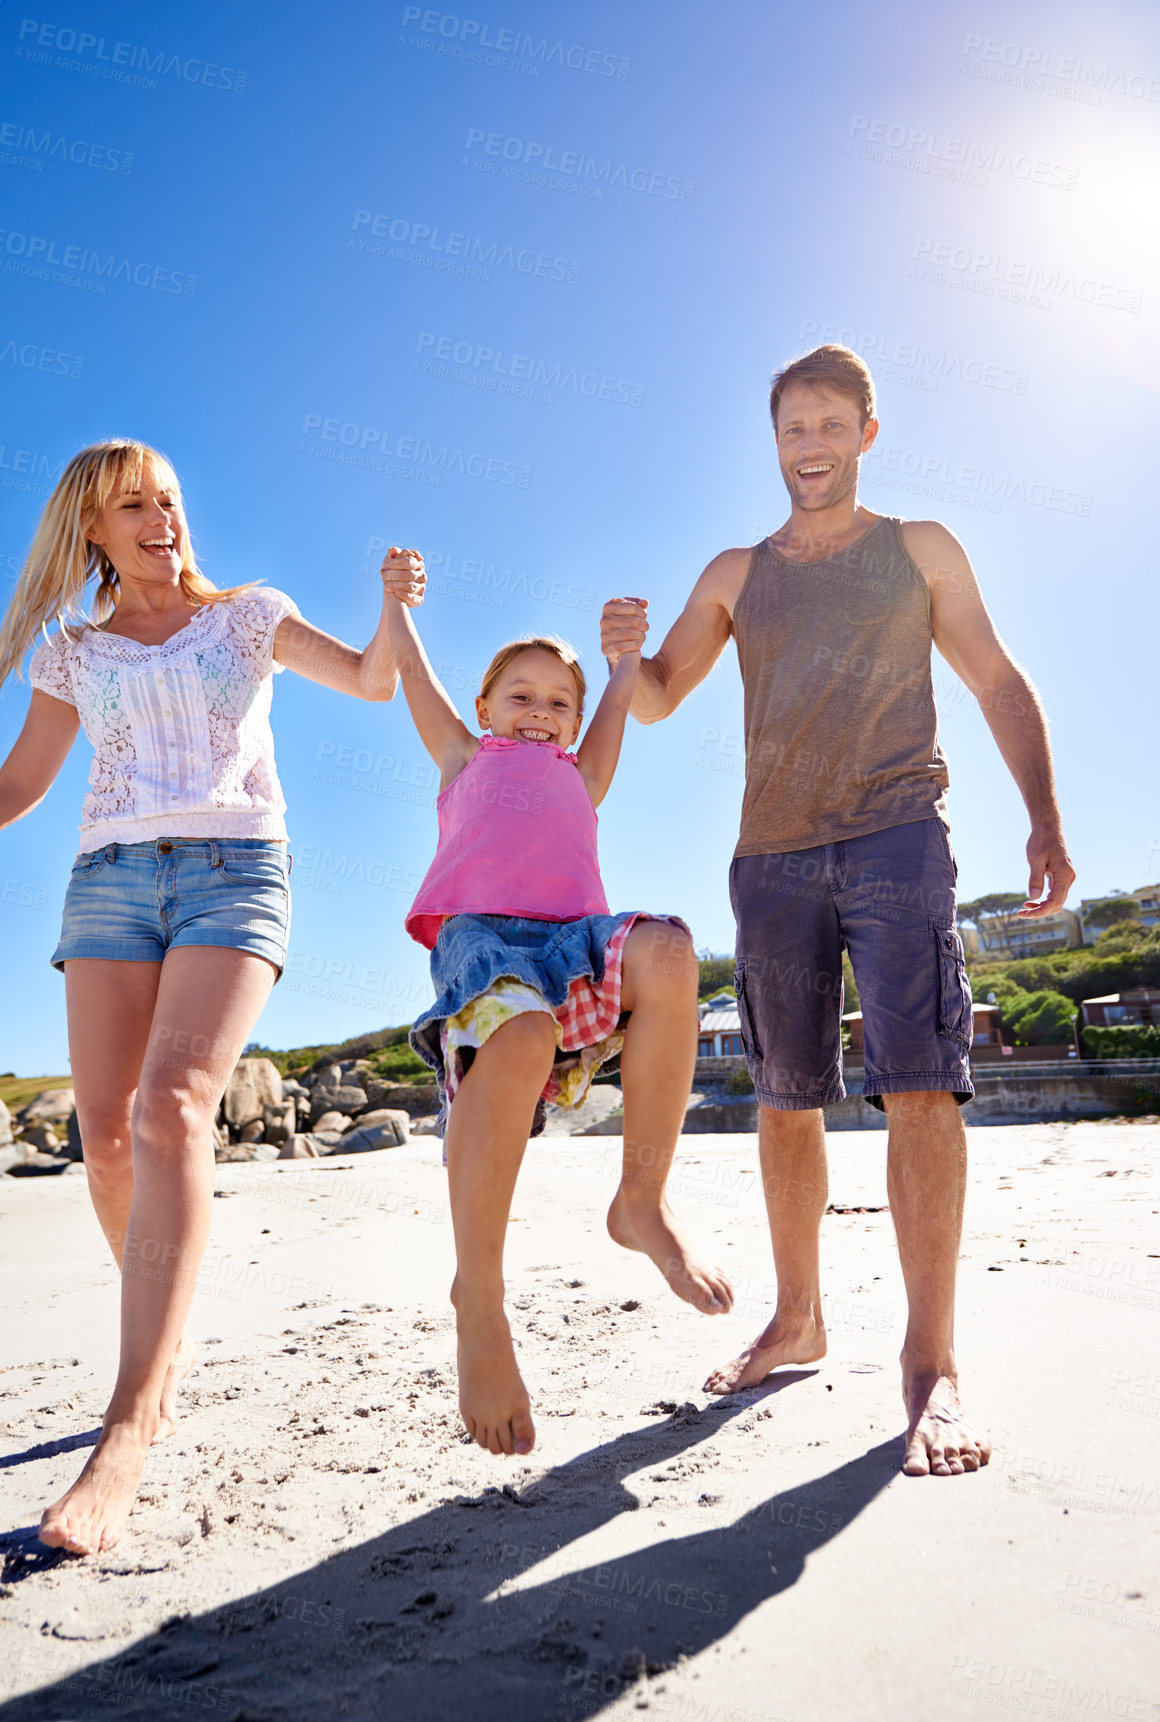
(441, 729)
(372, 673)
(40, 750)
(599, 751)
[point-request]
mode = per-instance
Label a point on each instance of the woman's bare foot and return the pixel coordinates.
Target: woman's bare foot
(184, 1359)
(493, 1400)
(784, 1341)
(637, 1221)
(941, 1441)
(92, 1515)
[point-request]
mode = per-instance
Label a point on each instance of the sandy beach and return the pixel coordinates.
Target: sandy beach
(317, 1540)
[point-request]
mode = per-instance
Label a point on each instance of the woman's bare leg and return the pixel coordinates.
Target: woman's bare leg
(487, 1133)
(656, 1069)
(208, 999)
(107, 1049)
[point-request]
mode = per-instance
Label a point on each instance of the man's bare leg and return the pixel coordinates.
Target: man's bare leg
(656, 1071)
(487, 1133)
(927, 1180)
(795, 1178)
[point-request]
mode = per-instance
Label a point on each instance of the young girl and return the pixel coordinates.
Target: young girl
(534, 982)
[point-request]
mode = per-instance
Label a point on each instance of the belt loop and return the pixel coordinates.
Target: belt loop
(111, 853)
(215, 859)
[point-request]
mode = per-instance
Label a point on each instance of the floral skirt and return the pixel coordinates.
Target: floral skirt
(487, 969)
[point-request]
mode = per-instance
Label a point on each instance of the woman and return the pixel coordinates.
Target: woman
(177, 912)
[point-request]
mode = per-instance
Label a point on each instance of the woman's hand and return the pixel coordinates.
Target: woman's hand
(404, 576)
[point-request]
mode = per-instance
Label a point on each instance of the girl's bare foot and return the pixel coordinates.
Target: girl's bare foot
(802, 1340)
(493, 1400)
(92, 1515)
(637, 1221)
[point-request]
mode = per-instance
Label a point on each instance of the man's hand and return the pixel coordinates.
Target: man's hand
(623, 626)
(404, 576)
(1049, 860)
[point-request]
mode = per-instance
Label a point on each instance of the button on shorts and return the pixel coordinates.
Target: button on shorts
(887, 899)
(133, 902)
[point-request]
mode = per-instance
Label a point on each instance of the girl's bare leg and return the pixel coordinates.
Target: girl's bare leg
(487, 1133)
(208, 999)
(656, 1069)
(107, 1049)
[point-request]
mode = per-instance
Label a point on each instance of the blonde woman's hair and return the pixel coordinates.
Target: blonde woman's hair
(63, 558)
(533, 643)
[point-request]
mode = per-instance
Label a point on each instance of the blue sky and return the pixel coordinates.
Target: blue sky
(567, 245)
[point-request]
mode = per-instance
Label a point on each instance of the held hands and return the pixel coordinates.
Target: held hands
(623, 626)
(404, 576)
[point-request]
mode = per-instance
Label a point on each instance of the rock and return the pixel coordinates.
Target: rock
(426, 1127)
(39, 1166)
(292, 1089)
(74, 1148)
(254, 1131)
(417, 1098)
(41, 1136)
(383, 1129)
(333, 1123)
(329, 1141)
(53, 1103)
(330, 1076)
(346, 1099)
(299, 1148)
(235, 1151)
(281, 1121)
(11, 1154)
(5, 1125)
(254, 1084)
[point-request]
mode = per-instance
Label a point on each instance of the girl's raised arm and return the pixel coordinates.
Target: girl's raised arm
(599, 751)
(441, 729)
(369, 674)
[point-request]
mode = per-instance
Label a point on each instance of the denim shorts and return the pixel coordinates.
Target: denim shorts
(133, 902)
(887, 899)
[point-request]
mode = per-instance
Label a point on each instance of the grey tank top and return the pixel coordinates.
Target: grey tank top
(841, 735)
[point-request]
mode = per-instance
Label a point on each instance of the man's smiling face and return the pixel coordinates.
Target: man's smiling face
(820, 436)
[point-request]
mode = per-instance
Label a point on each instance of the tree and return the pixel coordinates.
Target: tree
(1040, 1018)
(998, 903)
(1108, 909)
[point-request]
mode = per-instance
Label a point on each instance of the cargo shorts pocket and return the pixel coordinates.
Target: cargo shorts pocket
(748, 1037)
(955, 1010)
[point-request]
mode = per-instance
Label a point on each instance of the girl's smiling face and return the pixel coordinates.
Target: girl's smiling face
(534, 699)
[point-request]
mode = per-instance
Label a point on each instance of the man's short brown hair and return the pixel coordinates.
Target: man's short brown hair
(838, 367)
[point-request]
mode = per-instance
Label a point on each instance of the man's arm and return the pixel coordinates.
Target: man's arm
(965, 635)
(692, 645)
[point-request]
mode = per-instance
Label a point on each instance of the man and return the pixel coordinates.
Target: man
(844, 845)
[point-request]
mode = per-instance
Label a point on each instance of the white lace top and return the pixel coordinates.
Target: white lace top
(181, 731)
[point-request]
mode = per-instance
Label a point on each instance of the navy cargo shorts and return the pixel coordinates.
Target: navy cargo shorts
(888, 899)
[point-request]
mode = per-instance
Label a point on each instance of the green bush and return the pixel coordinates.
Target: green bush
(716, 975)
(399, 1063)
(739, 1082)
(1042, 1018)
(1124, 1040)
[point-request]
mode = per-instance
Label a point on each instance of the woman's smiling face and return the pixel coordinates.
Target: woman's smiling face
(142, 528)
(534, 699)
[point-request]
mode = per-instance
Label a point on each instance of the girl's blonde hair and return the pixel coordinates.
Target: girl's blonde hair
(531, 643)
(63, 558)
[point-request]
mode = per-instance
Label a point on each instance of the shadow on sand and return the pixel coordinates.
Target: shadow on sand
(436, 1618)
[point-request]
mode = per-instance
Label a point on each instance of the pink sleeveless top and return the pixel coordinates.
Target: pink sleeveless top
(517, 836)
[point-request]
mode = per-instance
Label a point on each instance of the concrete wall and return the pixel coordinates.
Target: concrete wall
(998, 1100)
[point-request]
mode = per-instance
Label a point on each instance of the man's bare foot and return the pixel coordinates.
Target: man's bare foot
(493, 1400)
(645, 1225)
(184, 1359)
(783, 1341)
(941, 1441)
(92, 1515)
